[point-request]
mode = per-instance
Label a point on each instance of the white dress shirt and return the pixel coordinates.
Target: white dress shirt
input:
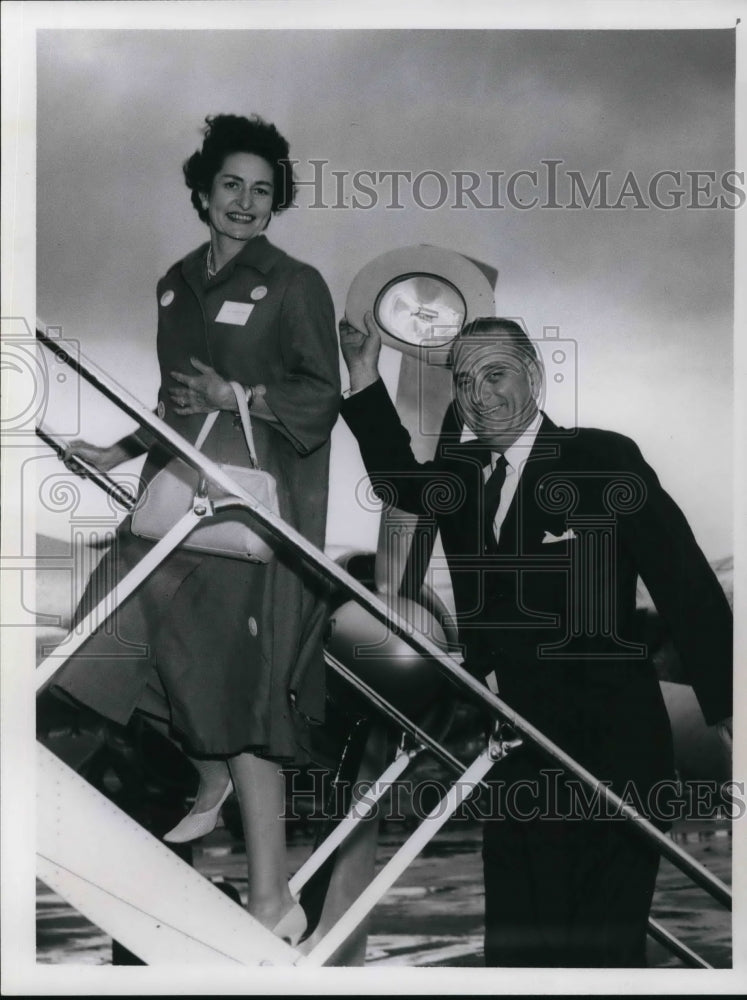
(515, 457)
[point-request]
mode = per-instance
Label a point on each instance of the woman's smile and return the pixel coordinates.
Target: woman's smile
(241, 217)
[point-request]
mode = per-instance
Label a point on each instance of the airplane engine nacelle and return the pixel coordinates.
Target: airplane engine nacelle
(386, 662)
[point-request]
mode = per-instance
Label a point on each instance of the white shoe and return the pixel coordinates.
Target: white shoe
(292, 926)
(196, 825)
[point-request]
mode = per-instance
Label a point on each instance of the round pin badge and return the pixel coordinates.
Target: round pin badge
(258, 293)
(161, 410)
(167, 298)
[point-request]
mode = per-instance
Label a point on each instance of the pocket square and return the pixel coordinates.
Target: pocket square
(566, 536)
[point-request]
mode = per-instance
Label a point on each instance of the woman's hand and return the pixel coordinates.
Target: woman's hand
(360, 351)
(104, 459)
(201, 393)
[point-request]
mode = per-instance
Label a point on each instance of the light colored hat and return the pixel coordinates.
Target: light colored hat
(421, 297)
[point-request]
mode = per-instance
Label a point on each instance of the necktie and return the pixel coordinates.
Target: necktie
(492, 499)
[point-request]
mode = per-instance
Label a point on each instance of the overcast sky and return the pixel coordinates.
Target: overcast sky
(644, 294)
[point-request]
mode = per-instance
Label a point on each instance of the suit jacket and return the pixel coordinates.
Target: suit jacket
(552, 610)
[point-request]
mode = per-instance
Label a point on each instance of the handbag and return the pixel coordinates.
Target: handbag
(172, 492)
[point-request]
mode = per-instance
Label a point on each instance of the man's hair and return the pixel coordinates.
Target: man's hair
(495, 328)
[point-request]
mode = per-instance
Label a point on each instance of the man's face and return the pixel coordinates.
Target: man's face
(493, 389)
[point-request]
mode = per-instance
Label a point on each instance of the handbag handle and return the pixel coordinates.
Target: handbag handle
(240, 393)
(246, 423)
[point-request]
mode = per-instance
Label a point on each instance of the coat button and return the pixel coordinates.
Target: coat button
(161, 410)
(253, 627)
(167, 298)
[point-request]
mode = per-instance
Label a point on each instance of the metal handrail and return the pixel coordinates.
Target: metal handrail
(119, 493)
(383, 612)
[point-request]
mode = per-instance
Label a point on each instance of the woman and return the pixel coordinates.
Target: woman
(226, 652)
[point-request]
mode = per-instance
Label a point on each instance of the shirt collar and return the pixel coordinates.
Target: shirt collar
(519, 450)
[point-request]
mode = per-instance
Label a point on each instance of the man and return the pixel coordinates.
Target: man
(546, 531)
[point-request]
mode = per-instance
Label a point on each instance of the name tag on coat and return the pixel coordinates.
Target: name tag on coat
(234, 313)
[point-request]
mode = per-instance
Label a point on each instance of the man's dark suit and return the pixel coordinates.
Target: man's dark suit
(551, 610)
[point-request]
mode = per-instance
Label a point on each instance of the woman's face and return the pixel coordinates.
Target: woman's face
(240, 201)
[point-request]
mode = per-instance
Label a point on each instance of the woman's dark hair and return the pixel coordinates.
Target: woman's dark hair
(226, 134)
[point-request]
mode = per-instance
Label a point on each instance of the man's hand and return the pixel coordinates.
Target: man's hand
(360, 350)
(201, 393)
